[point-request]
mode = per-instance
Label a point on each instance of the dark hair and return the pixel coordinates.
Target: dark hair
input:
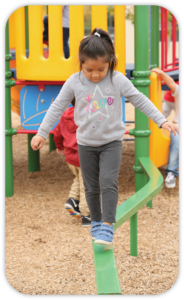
(94, 46)
(73, 102)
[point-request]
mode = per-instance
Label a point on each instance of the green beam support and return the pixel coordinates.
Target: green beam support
(33, 156)
(154, 36)
(9, 191)
(154, 185)
(52, 145)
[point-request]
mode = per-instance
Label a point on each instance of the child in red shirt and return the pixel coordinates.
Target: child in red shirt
(65, 140)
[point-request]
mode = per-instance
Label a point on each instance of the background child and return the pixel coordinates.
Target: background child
(98, 89)
(65, 21)
(171, 102)
(65, 139)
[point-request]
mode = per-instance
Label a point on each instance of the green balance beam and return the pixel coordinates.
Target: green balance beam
(107, 281)
(128, 208)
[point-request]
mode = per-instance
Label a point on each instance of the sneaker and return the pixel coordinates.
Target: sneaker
(170, 180)
(106, 235)
(86, 221)
(72, 206)
(95, 228)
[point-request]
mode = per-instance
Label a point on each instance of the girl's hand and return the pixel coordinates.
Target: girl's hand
(60, 151)
(170, 126)
(37, 142)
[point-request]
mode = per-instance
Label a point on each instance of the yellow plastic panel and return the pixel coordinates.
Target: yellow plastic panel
(20, 36)
(35, 16)
(56, 67)
(159, 139)
(76, 34)
(99, 17)
(12, 31)
(119, 33)
(55, 32)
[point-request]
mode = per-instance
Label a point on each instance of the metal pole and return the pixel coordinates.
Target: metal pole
(154, 36)
(166, 37)
(142, 82)
(33, 156)
(52, 145)
(162, 39)
(9, 191)
(174, 39)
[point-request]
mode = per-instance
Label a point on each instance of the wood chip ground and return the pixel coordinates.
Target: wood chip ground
(49, 252)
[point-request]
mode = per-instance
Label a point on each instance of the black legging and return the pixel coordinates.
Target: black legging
(65, 36)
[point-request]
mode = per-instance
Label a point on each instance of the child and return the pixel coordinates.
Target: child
(98, 114)
(65, 21)
(65, 139)
(171, 102)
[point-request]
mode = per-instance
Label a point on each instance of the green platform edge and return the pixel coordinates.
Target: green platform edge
(107, 280)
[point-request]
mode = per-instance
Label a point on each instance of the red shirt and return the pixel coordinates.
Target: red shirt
(168, 95)
(65, 137)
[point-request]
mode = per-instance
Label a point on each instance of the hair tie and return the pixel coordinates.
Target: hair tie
(96, 33)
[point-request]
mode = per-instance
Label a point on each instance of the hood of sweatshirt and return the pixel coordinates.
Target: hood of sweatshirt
(68, 118)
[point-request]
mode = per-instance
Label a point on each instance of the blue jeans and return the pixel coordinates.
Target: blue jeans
(173, 161)
(65, 36)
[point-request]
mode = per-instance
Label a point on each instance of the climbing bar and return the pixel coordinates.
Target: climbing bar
(8, 57)
(13, 131)
(140, 74)
(174, 39)
(171, 69)
(153, 66)
(9, 83)
(138, 169)
(141, 82)
(21, 82)
(140, 133)
(8, 74)
(176, 62)
(30, 132)
(10, 131)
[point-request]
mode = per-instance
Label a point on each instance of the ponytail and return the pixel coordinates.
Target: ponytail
(98, 44)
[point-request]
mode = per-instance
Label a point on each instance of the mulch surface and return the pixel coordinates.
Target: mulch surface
(49, 252)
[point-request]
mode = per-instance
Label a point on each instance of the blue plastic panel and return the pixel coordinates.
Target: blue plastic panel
(34, 105)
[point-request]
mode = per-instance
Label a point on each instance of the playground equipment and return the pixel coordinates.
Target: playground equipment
(172, 69)
(164, 44)
(34, 70)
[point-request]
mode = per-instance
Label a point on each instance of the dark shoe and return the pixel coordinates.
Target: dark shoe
(86, 221)
(72, 206)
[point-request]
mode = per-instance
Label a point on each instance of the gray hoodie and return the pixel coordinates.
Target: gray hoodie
(98, 108)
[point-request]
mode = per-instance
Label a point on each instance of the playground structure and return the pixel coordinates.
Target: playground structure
(148, 179)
